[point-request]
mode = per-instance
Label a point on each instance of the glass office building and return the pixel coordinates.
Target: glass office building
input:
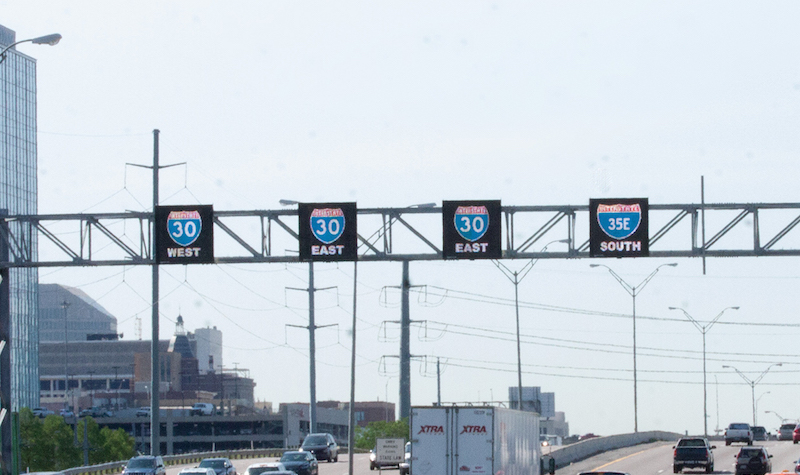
(18, 189)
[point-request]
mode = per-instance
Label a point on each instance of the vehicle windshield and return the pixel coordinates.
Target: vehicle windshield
(142, 463)
(315, 440)
(739, 426)
(212, 463)
(258, 470)
(691, 443)
(293, 457)
(787, 426)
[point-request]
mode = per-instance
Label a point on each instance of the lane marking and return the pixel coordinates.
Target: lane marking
(621, 459)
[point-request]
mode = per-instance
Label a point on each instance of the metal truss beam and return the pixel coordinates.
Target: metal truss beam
(252, 236)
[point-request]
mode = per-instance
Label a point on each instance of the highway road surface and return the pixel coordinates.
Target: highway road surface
(656, 459)
(646, 459)
(334, 468)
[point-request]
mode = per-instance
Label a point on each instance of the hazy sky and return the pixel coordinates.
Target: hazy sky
(394, 103)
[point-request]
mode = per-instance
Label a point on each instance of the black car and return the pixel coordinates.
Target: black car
(322, 445)
(221, 465)
(693, 452)
(753, 461)
(144, 465)
(301, 463)
(760, 433)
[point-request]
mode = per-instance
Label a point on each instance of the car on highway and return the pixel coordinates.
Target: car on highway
(259, 468)
(738, 432)
(796, 434)
(66, 413)
(41, 412)
(197, 471)
(302, 463)
(374, 463)
(143, 411)
(322, 445)
(760, 433)
(405, 465)
(221, 465)
(144, 465)
(95, 412)
(693, 452)
(786, 430)
(753, 461)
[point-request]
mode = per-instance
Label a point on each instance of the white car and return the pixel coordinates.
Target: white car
(41, 412)
(259, 468)
(197, 471)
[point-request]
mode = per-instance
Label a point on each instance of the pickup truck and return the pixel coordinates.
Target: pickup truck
(693, 452)
(738, 432)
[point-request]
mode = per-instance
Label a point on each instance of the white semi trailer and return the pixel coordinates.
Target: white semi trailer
(464, 440)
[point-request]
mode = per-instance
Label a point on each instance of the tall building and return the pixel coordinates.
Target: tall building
(18, 188)
(208, 349)
(67, 309)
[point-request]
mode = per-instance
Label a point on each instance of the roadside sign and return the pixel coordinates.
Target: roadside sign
(390, 451)
(328, 231)
(471, 229)
(618, 227)
(184, 234)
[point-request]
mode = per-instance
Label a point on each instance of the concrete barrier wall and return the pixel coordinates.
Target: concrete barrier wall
(584, 449)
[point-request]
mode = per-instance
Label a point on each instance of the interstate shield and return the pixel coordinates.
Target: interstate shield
(327, 224)
(471, 222)
(619, 221)
(184, 227)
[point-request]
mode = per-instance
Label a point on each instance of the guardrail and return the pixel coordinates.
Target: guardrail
(182, 459)
(584, 449)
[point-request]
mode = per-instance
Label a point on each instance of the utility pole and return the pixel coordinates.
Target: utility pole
(405, 346)
(312, 347)
(438, 384)
(65, 306)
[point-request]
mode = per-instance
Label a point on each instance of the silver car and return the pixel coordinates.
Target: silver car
(786, 430)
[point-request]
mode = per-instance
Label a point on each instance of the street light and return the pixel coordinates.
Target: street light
(516, 278)
(759, 398)
(753, 382)
(634, 291)
(41, 40)
(704, 329)
(776, 414)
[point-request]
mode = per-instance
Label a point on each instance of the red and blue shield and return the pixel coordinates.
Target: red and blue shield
(471, 222)
(619, 221)
(184, 227)
(327, 224)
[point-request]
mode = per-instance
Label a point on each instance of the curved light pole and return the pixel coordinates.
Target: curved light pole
(516, 277)
(758, 399)
(634, 291)
(704, 329)
(776, 414)
(753, 382)
(40, 40)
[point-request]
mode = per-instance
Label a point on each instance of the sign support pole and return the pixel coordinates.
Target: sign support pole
(155, 423)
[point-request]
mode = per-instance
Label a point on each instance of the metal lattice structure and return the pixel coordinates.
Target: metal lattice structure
(404, 234)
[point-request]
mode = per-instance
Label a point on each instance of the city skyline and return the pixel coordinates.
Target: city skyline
(406, 103)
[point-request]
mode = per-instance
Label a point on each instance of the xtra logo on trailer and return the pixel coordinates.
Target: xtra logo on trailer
(619, 228)
(473, 430)
(180, 235)
(431, 430)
